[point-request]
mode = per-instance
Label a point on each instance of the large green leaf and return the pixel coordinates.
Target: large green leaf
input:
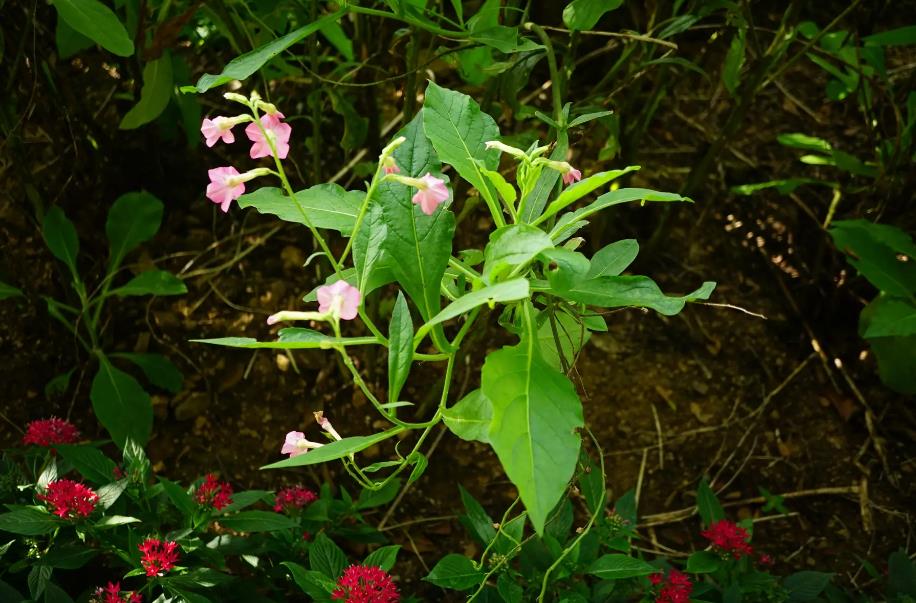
(28, 521)
(60, 237)
(617, 566)
(891, 317)
(573, 193)
(369, 250)
(134, 218)
(400, 347)
(622, 195)
(584, 14)
(502, 292)
(7, 291)
(69, 41)
(535, 416)
(257, 521)
(571, 335)
(290, 339)
(158, 369)
(155, 94)
(873, 250)
(458, 130)
(470, 417)
(98, 23)
(325, 205)
(613, 259)
(734, 60)
(335, 450)
(419, 245)
(121, 405)
(315, 584)
(91, 463)
(511, 246)
(456, 572)
(326, 557)
(631, 291)
(152, 282)
(244, 65)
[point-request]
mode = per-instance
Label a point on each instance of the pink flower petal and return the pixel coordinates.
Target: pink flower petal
(274, 129)
(223, 189)
(430, 197)
(340, 297)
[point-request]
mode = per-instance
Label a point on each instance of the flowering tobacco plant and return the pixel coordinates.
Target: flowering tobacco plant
(400, 230)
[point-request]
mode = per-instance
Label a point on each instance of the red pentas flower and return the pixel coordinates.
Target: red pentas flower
(159, 556)
(112, 594)
(47, 432)
(294, 497)
(214, 493)
(675, 589)
(69, 499)
(365, 584)
(728, 538)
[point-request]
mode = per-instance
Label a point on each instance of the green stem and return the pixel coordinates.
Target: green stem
(555, 77)
(430, 27)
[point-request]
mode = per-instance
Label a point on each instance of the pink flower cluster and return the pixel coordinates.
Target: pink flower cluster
(48, 432)
(292, 498)
(214, 493)
(676, 588)
(365, 584)
(112, 594)
(69, 499)
(159, 556)
(728, 538)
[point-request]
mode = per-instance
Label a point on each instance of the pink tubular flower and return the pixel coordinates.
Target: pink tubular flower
(47, 432)
(69, 499)
(390, 166)
(365, 584)
(296, 444)
(274, 131)
(572, 175)
(325, 424)
(728, 538)
(431, 192)
(159, 556)
(216, 129)
(214, 493)
(340, 299)
(112, 594)
(676, 589)
(292, 498)
(225, 186)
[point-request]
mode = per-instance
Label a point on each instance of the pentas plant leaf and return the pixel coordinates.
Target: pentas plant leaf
(536, 412)
(60, 236)
(121, 405)
(419, 245)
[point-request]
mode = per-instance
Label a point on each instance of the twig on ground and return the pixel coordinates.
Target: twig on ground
(661, 439)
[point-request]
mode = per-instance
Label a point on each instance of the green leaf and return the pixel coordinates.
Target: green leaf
(158, 369)
(420, 462)
(703, 562)
(110, 493)
(902, 36)
(179, 497)
(806, 585)
(501, 292)
(613, 259)
(458, 130)
(314, 584)
(55, 594)
(573, 193)
(356, 127)
(535, 416)
(509, 589)
(476, 521)
(246, 498)
(7, 291)
(469, 418)
(400, 347)
(338, 38)
(617, 566)
(784, 187)
(891, 317)
(8, 593)
(89, 461)
(631, 291)
(69, 41)
(419, 245)
(584, 14)
(155, 94)
(28, 521)
(113, 521)
(120, 404)
(797, 140)
(69, 556)
(512, 246)
(384, 557)
(534, 202)
(734, 60)
(326, 557)
(98, 23)
(325, 205)
(872, 249)
(242, 66)
(456, 572)
(708, 505)
(38, 579)
(370, 498)
(901, 575)
(369, 251)
(564, 268)
(257, 521)
(587, 117)
(571, 334)
(622, 195)
(334, 450)
(152, 282)
(60, 237)
(133, 219)
(505, 190)
(290, 339)
(59, 384)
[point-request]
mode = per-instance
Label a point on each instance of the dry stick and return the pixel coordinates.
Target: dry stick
(740, 467)
(642, 472)
(658, 519)
(661, 441)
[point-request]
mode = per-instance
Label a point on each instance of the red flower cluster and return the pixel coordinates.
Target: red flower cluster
(159, 556)
(364, 584)
(112, 594)
(295, 497)
(47, 432)
(214, 493)
(676, 589)
(69, 499)
(728, 538)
